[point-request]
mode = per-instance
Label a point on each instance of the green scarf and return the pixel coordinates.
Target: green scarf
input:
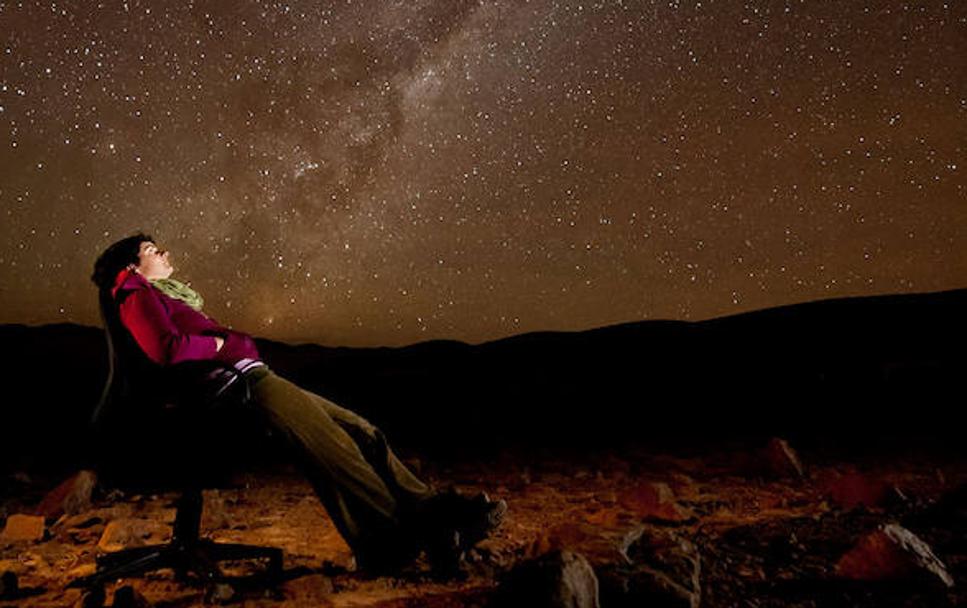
(179, 291)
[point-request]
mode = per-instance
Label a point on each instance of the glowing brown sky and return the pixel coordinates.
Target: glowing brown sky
(386, 172)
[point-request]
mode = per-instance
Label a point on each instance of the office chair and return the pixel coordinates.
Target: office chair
(178, 405)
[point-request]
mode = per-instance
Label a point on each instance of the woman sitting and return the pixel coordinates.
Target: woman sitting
(384, 512)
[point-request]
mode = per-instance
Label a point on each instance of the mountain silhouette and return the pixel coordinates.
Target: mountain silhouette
(853, 369)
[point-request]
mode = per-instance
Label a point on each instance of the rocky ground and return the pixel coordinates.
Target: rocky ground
(752, 526)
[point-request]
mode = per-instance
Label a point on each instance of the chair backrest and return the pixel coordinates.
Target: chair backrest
(149, 408)
(130, 371)
(135, 383)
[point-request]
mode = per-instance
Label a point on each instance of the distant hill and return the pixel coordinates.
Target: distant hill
(833, 368)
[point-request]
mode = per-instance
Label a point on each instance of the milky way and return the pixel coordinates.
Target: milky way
(387, 172)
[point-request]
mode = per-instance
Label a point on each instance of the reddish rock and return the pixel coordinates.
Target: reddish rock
(215, 514)
(606, 518)
(22, 527)
(313, 589)
(125, 533)
(684, 486)
(891, 553)
(853, 489)
(560, 579)
(82, 521)
(563, 536)
(599, 546)
(780, 460)
(660, 568)
(654, 500)
(81, 571)
(71, 497)
(220, 593)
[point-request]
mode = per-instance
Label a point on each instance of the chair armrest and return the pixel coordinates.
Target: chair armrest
(205, 383)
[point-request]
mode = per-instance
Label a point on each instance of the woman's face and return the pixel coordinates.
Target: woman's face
(153, 262)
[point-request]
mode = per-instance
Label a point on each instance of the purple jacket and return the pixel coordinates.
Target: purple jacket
(169, 331)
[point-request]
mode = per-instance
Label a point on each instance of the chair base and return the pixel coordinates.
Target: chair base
(198, 560)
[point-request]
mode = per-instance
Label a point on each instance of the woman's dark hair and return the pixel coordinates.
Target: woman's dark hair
(115, 258)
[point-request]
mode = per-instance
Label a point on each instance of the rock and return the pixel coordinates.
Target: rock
(79, 522)
(656, 501)
(220, 593)
(684, 486)
(92, 598)
(661, 568)
(780, 460)
(892, 553)
(853, 489)
(21, 527)
(71, 497)
(128, 597)
(313, 589)
(9, 587)
(131, 532)
(215, 515)
(560, 579)
(81, 571)
(597, 545)
(605, 518)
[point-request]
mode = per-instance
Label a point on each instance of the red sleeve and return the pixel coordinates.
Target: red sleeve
(143, 314)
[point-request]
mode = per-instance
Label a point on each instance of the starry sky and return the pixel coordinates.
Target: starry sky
(385, 172)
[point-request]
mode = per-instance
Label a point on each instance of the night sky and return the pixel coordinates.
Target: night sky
(381, 173)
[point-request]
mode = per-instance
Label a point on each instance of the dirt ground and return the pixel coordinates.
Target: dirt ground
(729, 503)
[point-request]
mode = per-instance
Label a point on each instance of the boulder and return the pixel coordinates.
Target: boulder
(215, 514)
(579, 537)
(559, 579)
(780, 460)
(655, 501)
(852, 489)
(312, 589)
(220, 593)
(71, 497)
(22, 527)
(892, 553)
(131, 532)
(661, 568)
(81, 571)
(79, 522)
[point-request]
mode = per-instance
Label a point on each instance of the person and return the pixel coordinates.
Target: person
(386, 514)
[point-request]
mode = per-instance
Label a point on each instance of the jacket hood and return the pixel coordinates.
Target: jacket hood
(129, 280)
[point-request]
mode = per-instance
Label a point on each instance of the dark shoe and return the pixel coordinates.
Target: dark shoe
(482, 518)
(474, 518)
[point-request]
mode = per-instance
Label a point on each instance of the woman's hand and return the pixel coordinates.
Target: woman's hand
(219, 343)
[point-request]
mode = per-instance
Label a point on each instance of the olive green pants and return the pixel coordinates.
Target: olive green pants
(369, 494)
